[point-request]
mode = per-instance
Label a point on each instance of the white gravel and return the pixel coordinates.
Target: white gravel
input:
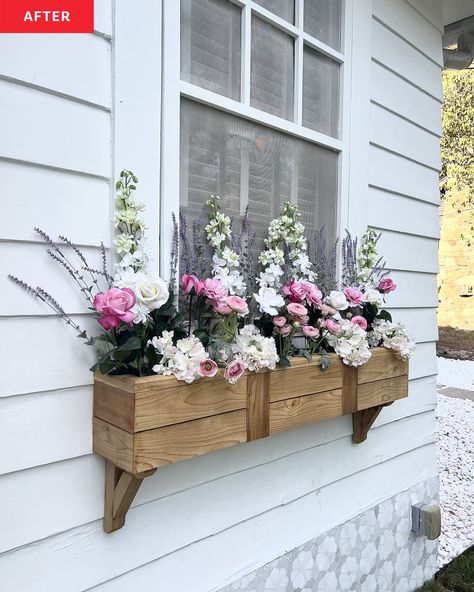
(456, 374)
(456, 460)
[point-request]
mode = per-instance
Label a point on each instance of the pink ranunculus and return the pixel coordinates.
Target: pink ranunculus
(313, 293)
(285, 330)
(310, 332)
(237, 304)
(354, 296)
(191, 281)
(386, 286)
(303, 320)
(221, 308)
(214, 290)
(279, 321)
(327, 310)
(296, 309)
(358, 320)
(332, 326)
(207, 368)
(296, 291)
(234, 371)
(321, 323)
(114, 307)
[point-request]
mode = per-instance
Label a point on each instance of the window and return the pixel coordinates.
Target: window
(259, 96)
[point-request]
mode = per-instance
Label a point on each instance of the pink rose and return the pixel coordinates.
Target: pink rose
(328, 310)
(221, 308)
(295, 291)
(279, 321)
(313, 293)
(191, 281)
(333, 326)
(358, 320)
(310, 332)
(237, 304)
(215, 290)
(354, 296)
(298, 310)
(234, 371)
(207, 368)
(114, 306)
(386, 286)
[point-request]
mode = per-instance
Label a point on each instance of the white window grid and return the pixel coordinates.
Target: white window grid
(173, 88)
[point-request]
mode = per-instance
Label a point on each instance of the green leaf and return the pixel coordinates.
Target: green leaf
(130, 344)
(324, 362)
(385, 316)
(284, 361)
(305, 353)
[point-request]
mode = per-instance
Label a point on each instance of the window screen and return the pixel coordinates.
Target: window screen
(285, 9)
(210, 45)
(251, 165)
(271, 80)
(320, 93)
(322, 19)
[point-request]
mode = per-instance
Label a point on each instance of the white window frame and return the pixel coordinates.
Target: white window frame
(352, 145)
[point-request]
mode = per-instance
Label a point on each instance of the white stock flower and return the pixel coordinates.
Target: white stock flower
(337, 300)
(269, 301)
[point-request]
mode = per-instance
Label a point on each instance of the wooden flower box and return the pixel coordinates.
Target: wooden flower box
(141, 424)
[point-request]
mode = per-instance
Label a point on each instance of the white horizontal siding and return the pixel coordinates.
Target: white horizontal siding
(103, 17)
(406, 252)
(415, 290)
(58, 132)
(58, 422)
(390, 131)
(412, 26)
(32, 264)
(84, 557)
(431, 11)
(392, 51)
(79, 64)
(46, 198)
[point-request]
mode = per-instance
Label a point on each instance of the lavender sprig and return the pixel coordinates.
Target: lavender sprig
(82, 258)
(174, 254)
(105, 265)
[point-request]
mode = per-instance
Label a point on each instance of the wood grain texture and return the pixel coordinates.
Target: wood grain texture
(114, 405)
(258, 406)
(382, 364)
(304, 378)
(114, 444)
(362, 421)
(382, 392)
(186, 402)
(349, 388)
(162, 446)
(291, 413)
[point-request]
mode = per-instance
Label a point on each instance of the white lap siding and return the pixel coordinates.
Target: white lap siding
(204, 522)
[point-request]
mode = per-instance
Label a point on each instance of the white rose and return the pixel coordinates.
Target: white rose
(373, 297)
(337, 300)
(153, 293)
(269, 301)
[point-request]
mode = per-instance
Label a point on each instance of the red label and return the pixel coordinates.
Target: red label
(46, 16)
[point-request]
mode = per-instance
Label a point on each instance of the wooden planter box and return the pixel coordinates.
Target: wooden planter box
(141, 424)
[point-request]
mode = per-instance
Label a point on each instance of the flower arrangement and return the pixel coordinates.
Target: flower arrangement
(231, 320)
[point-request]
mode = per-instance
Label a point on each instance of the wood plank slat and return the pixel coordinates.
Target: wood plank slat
(382, 392)
(258, 406)
(299, 411)
(383, 364)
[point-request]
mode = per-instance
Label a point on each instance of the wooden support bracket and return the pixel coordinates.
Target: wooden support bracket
(363, 420)
(120, 491)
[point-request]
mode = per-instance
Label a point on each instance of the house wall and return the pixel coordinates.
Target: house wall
(71, 117)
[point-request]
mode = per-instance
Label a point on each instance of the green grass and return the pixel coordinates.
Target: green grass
(457, 576)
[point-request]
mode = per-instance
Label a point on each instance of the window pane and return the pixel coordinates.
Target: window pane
(271, 87)
(322, 19)
(251, 165)
(282, 8)
(210, 45)
(320, 93)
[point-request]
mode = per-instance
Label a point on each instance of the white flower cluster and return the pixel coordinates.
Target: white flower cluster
(392, 336)
(285, 231)
(182, 360)
(255, 351)
(131, 268)
(351, 344)
(366, 255)
(226, 261)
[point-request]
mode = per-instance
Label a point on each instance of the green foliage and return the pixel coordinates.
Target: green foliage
(457, 141)
(457, 576)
